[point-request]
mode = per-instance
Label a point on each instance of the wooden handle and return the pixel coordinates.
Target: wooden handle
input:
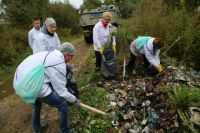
(92, 109)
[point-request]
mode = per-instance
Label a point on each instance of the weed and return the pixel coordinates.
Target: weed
(184, 97)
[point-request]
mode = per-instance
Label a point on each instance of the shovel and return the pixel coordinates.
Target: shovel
(92, 109)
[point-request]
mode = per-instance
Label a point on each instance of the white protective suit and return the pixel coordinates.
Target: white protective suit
(100, 35)
(32, 35)
(55, 75)
(147, 50)
(45, 42)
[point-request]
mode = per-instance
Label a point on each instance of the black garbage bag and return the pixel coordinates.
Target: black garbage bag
(108, 64)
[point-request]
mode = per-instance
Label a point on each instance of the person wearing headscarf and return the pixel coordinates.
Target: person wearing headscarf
(48, 39)
(53, 91)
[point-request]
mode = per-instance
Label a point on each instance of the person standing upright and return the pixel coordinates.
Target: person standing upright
(48, 39)
(33, 33)
(101, 33)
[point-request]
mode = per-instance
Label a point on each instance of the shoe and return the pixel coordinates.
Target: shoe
(42, 128)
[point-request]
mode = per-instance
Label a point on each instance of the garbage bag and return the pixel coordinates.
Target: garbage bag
(28, 88)
(108, 65)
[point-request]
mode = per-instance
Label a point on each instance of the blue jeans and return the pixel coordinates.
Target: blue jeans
(53, 100)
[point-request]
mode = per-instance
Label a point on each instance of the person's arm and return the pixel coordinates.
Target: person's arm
(113, 41)
(57, 75)
(96, 36)
(154, 60)
(30, 40)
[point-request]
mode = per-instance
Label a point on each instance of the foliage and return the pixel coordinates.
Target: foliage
(184, 97)
(126, 7)
(7, 49)
(90, 4)
(6, 70)
(65, 16)
(190, 5)
(20, 12)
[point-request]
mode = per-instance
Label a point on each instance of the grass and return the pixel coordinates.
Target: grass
(83, 120)
(184, 97)
(65, 37)
(8, 70)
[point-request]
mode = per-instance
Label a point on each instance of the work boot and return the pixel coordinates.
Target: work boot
(42, 128)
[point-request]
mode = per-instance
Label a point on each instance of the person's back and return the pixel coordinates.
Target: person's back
(53, 59)
(33, 33)
(53, 90)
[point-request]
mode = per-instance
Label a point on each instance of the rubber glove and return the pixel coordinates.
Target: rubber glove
(114, 48)
(101, 50)
(160, 69)
(77, 103)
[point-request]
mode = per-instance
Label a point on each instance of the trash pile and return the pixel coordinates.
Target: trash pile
(141, 104)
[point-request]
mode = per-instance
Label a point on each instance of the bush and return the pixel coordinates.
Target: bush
(65, 16)
(13, 42)
(6, 47)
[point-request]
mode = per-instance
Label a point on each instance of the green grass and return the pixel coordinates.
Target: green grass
(184, 97)
(69, 38)
(6, 70)
(84, 120)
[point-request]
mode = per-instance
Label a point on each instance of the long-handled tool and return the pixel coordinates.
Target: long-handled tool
(172, 44)
(124, 68)
(92, 109)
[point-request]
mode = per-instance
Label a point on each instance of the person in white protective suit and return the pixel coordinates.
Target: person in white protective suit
(48, 39)
(53, 91)
(149, 48)
(34, 32)
(101, 33)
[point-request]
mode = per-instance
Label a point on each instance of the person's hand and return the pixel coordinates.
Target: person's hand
(101, 50)
(160, 69)
(114, 48)
(77, 103)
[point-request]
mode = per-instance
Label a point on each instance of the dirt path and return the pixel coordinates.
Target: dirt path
(15, 116)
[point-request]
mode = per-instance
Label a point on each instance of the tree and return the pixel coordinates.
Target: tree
(90, 4)
(65, 15)
(20, 12)
(190, 5)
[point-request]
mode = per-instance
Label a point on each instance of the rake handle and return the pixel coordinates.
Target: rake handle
(92, 109)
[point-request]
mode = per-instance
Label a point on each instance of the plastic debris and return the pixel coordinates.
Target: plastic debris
(195, 115)
(141, 103)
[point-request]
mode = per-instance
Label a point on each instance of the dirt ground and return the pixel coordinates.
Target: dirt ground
(15, 116)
